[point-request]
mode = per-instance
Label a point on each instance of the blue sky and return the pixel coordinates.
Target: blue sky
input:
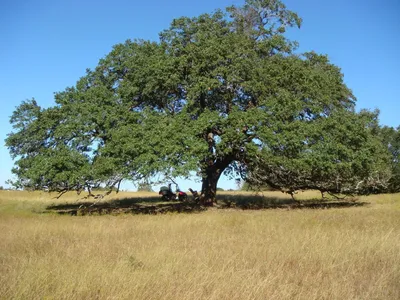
(47, 45)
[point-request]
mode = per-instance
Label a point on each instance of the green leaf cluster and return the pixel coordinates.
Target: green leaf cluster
(391, 140)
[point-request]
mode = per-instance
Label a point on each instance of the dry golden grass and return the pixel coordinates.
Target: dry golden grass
(348, 253)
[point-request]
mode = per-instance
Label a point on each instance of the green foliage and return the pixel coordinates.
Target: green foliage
(221, 92)
(339, 154)
(391, 139)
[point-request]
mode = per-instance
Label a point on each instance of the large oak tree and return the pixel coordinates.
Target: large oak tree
(221, 92)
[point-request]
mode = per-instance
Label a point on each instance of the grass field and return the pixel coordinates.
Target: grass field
(128, 250)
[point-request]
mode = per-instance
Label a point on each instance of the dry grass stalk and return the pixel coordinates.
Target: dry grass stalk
(350, 253)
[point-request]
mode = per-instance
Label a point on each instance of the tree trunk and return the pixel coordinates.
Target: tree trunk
(209, 185)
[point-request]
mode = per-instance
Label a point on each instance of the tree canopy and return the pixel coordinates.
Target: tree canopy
(391, 139)
(221, 92)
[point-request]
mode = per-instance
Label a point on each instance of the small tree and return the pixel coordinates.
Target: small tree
(144, 186)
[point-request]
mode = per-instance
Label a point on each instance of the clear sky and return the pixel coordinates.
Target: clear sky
(46, 46)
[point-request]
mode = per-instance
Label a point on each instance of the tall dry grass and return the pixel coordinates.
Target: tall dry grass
(351, 253)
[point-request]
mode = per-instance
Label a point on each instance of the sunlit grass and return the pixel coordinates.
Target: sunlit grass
(347, 253)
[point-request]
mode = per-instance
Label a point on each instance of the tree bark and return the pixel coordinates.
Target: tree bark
(210, 181)
(209, 187)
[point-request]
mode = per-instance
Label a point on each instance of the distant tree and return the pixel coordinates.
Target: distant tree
(1, 188)
(248, 187)
(144, 186)
(219, 93)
